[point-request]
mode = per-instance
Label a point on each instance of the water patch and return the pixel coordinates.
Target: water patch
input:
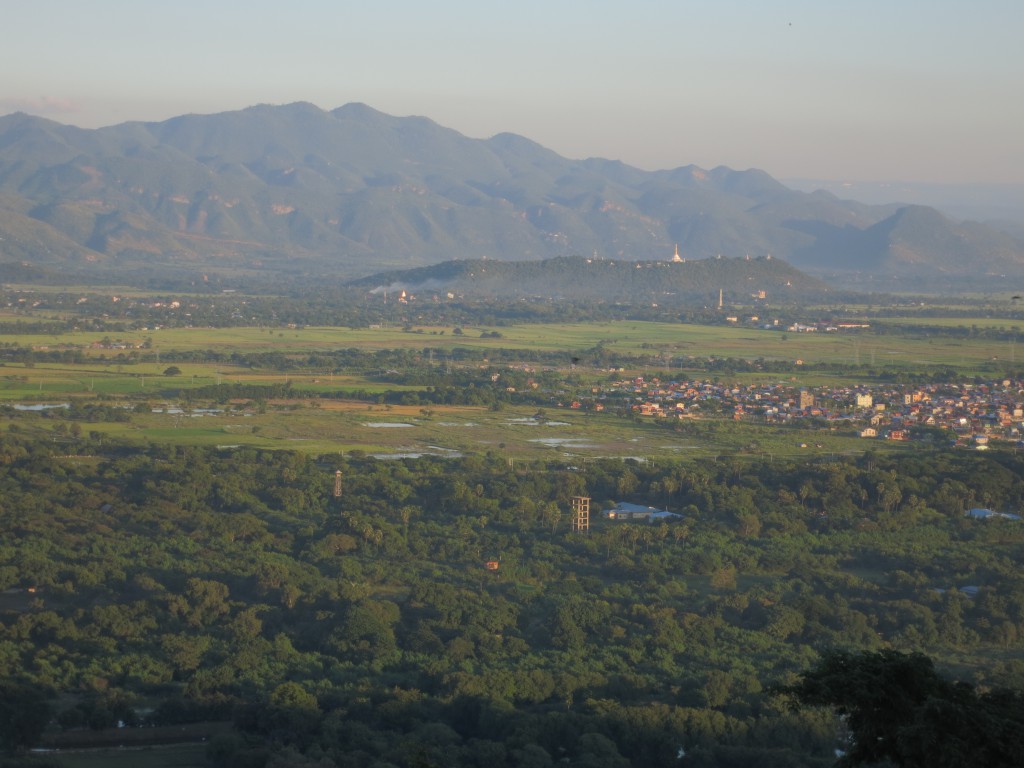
(457, 424)
(446, 452)
(387, 424)
(442, 453)
(567, 442)
(193, 412)
(532, 422)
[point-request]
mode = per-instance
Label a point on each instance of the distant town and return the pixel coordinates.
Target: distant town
(972, 414)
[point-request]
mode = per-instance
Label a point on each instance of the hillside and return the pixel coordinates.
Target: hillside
(582, 278)
(296, 192)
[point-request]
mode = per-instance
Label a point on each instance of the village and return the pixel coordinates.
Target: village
(967, 414)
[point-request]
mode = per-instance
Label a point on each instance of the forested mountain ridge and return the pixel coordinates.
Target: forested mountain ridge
(298, 191)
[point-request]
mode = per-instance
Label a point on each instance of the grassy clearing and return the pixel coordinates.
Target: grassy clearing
(956, 322)
(173, 756)
(43, 381)
(179, 746)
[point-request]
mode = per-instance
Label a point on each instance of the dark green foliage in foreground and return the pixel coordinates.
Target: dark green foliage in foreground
(24, 713)
(898, 708)
(194, 584)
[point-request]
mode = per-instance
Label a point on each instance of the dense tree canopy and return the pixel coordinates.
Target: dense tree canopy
(898, 708)
(199, 583)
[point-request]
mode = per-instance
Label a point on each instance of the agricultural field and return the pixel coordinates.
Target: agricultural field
(987, 322)
(329, 412)
(658, 342)
(385, 431)
(334, 409)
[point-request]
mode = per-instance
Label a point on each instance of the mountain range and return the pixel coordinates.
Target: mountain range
(295, 191)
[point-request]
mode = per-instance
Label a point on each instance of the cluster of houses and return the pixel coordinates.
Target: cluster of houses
(822, 326)
(980, 513)
(625, 511)
(973, 414)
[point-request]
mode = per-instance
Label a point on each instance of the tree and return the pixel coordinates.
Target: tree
(898, 708)
(172, 370)
(597, 751)
(207, 600)
(24, 714)
(552, 515)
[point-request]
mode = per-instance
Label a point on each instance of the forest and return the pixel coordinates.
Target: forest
(360, 624)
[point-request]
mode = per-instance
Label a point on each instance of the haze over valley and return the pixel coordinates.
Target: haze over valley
(306, 193)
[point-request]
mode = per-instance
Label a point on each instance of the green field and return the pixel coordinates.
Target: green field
(656, 341)
(572, 437)
(177, 746)
(988, 322)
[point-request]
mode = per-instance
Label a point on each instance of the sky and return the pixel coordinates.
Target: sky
(910, 90)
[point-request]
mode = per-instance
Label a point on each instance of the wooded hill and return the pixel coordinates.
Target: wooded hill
(295, 192)
(636, 282)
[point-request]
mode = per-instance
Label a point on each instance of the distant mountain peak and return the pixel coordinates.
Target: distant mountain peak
(354, 191)
(357, 109)
(293, 108)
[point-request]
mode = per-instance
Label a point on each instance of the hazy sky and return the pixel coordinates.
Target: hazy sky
(915, 90)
